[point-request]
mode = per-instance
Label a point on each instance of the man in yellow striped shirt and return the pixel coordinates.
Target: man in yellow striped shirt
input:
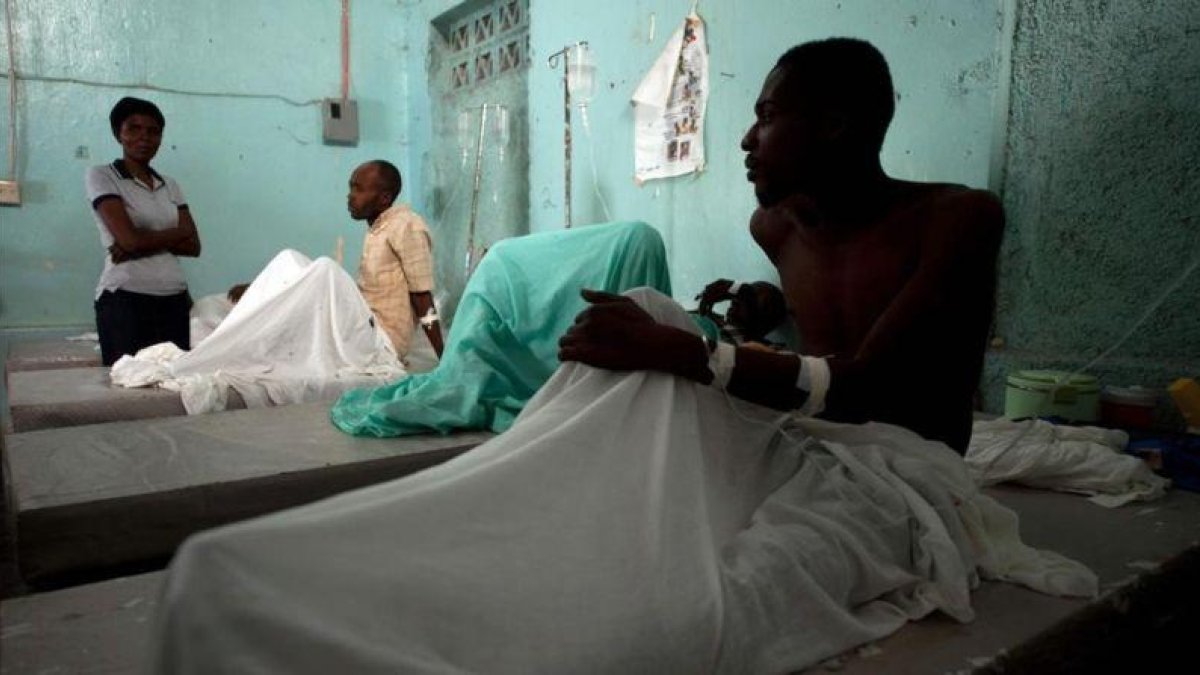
(395, 275)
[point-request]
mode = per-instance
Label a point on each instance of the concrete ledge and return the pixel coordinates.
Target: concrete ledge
(93, 500)
(1122, 546)
(67, 397)
(48, 354)
(93, 629)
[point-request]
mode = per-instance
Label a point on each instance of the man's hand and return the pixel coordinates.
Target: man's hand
(615, 334)
(713, 293)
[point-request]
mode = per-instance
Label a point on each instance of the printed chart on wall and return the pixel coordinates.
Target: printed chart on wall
(669, 107)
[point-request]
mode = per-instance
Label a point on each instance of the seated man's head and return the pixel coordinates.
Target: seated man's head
(756, 309)
(826, 105)
(374, 186)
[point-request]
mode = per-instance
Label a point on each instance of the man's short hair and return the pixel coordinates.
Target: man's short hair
(130, 106)
(389, 175)
(849, 76)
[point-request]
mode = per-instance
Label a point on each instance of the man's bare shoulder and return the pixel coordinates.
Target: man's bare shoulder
(958, 222)
(959, 207)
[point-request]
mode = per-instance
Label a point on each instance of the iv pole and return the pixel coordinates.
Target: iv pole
(552, 61)
(471, 261)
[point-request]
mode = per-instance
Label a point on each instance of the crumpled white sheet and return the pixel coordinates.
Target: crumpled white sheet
(627, 522)
(301, 332)
(1087, 460)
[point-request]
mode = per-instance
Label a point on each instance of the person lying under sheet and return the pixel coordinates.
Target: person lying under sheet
(301, 332)
(209, 311)
(503, 345)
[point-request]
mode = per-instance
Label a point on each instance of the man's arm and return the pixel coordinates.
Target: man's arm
(957, 267)
(615, 334)
(955, 279)
(426, 313)
(412, 247)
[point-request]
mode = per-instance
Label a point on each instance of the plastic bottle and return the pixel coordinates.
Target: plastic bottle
(1186, 393)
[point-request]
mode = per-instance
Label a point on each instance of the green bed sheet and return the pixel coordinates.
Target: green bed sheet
(503, 344)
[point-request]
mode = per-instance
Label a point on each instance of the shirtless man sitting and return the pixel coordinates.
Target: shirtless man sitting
(890, 283)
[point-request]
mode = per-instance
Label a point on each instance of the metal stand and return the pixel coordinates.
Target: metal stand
(473, 252)
(565, 53)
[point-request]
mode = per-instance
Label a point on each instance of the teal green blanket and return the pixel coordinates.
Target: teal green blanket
(504, 342)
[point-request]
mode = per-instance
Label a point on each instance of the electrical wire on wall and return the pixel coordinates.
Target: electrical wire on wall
(13, 75)
(12, 92)
(297, 103)
(345, 49)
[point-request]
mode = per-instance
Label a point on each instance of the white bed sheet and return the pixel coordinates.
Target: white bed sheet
(301, 332)
(628, 522)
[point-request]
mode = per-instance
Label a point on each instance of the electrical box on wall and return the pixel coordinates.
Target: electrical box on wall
(340, 119)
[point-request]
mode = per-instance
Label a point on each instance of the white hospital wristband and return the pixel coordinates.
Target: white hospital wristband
(813, 378)
(429, 319)
(720, 362)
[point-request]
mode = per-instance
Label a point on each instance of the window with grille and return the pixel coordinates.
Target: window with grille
(487, 43)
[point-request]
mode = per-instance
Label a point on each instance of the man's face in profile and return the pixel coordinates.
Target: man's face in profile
(784, 147)
(366, 198)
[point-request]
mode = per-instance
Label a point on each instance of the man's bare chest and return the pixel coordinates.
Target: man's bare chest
(838, 288)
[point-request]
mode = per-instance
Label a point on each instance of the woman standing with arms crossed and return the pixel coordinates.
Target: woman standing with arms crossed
(141, 298)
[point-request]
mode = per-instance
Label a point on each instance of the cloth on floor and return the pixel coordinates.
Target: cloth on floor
(627, 522)
(503, 344)
(1087, 460)
(301, 332)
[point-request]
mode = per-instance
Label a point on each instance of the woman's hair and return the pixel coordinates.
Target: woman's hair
(130, 106)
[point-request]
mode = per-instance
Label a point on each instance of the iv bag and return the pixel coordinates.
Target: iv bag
(581, 74)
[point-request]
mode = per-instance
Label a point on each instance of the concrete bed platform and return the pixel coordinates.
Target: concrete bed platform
(67, 397)
(1122, 546)
(48, 354)
(92, 500)
(104, 627)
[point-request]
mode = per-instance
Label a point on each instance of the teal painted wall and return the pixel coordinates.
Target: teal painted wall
(946, 62)
(254, 170)
(1102, 191)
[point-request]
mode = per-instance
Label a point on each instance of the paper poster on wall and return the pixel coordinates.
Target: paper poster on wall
(669, 107)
